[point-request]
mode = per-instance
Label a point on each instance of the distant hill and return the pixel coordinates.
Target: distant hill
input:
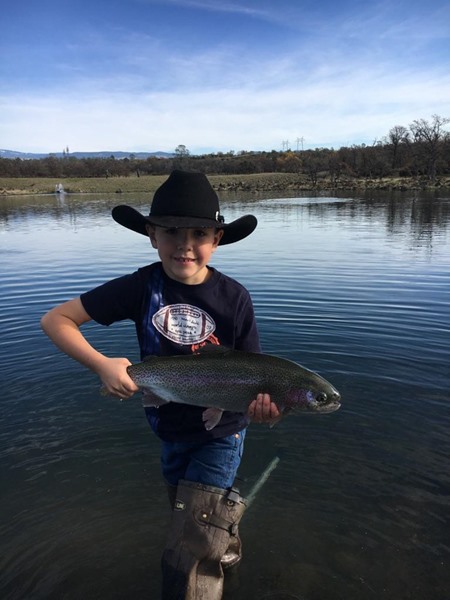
(104, 154)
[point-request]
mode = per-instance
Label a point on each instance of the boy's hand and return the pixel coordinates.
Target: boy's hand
(115, 378)
(263, 410)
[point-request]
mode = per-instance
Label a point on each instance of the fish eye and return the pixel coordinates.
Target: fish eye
(321, 398)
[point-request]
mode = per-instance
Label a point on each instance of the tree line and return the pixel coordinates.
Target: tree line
(421, 150)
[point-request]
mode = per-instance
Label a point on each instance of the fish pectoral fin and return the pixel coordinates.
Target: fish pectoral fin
(151, 399)
(284, 411)
(211, 416)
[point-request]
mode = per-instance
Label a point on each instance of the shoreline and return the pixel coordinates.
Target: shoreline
(255, 182)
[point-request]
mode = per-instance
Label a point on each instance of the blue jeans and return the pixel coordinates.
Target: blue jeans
(212, 463)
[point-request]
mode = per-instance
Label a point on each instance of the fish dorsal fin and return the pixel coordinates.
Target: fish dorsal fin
(149, 358)
(212, 350)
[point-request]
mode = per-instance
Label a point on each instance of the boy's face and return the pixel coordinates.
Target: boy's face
(185, 252)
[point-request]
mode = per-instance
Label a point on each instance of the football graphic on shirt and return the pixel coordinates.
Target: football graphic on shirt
(183, 323)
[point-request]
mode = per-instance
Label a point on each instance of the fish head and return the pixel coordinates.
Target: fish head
(315, 396)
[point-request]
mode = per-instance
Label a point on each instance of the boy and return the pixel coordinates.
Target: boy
(179, 305)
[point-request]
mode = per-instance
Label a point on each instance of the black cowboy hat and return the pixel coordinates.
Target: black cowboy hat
(185, 199)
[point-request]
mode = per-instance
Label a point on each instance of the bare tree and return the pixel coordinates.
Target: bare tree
(430, 137)
(396, 136)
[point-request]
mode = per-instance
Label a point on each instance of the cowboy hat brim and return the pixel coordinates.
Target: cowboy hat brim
(232, 232)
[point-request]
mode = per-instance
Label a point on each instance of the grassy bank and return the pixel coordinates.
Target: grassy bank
(253, 182)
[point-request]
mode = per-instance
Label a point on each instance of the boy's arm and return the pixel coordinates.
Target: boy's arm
(62, 325)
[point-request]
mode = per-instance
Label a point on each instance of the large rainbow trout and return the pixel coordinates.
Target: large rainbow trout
(221, 379)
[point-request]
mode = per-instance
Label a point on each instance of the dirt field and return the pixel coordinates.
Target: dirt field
(253, 182)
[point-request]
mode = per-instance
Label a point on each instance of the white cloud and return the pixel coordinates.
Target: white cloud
(132, 92)
(351, 107)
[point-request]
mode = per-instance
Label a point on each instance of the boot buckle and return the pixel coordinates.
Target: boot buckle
(233, 497)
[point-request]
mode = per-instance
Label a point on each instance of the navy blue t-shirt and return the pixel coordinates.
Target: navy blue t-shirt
(174, 318)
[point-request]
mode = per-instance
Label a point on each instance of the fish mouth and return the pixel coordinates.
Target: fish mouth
(335, 401)
(329, 408)
(328, 403)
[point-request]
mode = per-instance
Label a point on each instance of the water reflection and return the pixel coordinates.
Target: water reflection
(420, 217)
(31, 211)
(357, 288)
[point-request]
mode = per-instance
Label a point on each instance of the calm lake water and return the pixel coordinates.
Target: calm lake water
(356, 288)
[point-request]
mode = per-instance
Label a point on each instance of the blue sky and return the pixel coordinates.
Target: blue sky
(218, 75)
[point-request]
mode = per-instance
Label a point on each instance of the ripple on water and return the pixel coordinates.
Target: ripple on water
(358, 505)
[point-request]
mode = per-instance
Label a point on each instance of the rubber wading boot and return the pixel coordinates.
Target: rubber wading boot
(171, 494)
(233, 553)
(204, 521)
